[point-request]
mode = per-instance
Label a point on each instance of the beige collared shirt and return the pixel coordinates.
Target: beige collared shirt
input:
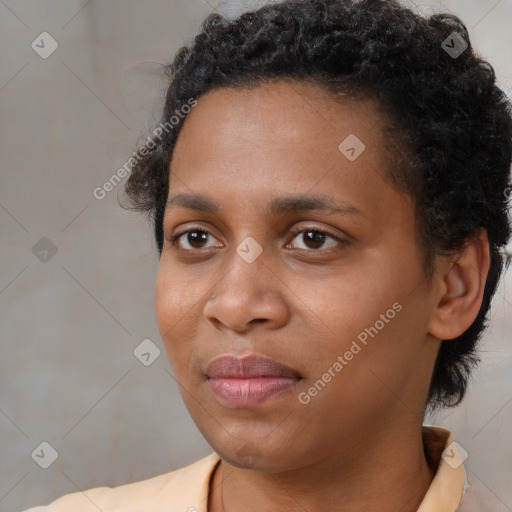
(186, 489)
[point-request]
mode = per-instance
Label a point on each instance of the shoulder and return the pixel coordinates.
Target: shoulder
(183, 489)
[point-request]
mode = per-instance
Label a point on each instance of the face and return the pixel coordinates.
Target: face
(336, 296)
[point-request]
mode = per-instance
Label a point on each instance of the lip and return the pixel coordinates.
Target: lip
(248, 381)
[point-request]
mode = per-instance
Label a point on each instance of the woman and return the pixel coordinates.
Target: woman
(327, 188)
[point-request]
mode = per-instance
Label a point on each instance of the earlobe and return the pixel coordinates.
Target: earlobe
(461, 289)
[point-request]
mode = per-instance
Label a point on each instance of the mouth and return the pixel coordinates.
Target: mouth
(248, 381)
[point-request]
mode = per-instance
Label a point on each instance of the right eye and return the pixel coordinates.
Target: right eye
(194, 236)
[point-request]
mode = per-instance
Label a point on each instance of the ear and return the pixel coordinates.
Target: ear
(461, 287)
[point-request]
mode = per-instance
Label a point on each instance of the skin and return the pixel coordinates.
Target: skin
(356, 445)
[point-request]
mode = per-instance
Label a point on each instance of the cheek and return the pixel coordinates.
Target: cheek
(176, 294)
(345, 304)
(362, 372)
(176, 305)
(381, 353)
(366, 315)
(166, 293)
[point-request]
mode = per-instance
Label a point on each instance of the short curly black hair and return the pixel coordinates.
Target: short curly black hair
(449, 121)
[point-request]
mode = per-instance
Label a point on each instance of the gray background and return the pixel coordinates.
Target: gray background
(69, 326)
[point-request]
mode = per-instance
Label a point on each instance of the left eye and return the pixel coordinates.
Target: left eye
(316, 238)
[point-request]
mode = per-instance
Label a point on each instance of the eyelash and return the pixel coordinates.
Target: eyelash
(294, 233)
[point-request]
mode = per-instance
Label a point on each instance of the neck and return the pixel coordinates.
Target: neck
(385, 473)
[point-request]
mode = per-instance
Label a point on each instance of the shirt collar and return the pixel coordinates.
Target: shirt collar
(447, 487)
(443, 455)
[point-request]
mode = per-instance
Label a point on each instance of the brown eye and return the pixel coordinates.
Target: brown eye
(314, 238)
(195, 238)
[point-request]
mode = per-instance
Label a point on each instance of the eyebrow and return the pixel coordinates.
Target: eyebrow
(278, 206)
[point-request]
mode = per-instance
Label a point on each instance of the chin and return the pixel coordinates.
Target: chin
(257, 455)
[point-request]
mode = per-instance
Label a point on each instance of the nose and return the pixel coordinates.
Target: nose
(248, 294)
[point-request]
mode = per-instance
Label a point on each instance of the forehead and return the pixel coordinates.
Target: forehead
(279, 113)
(287, 136)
